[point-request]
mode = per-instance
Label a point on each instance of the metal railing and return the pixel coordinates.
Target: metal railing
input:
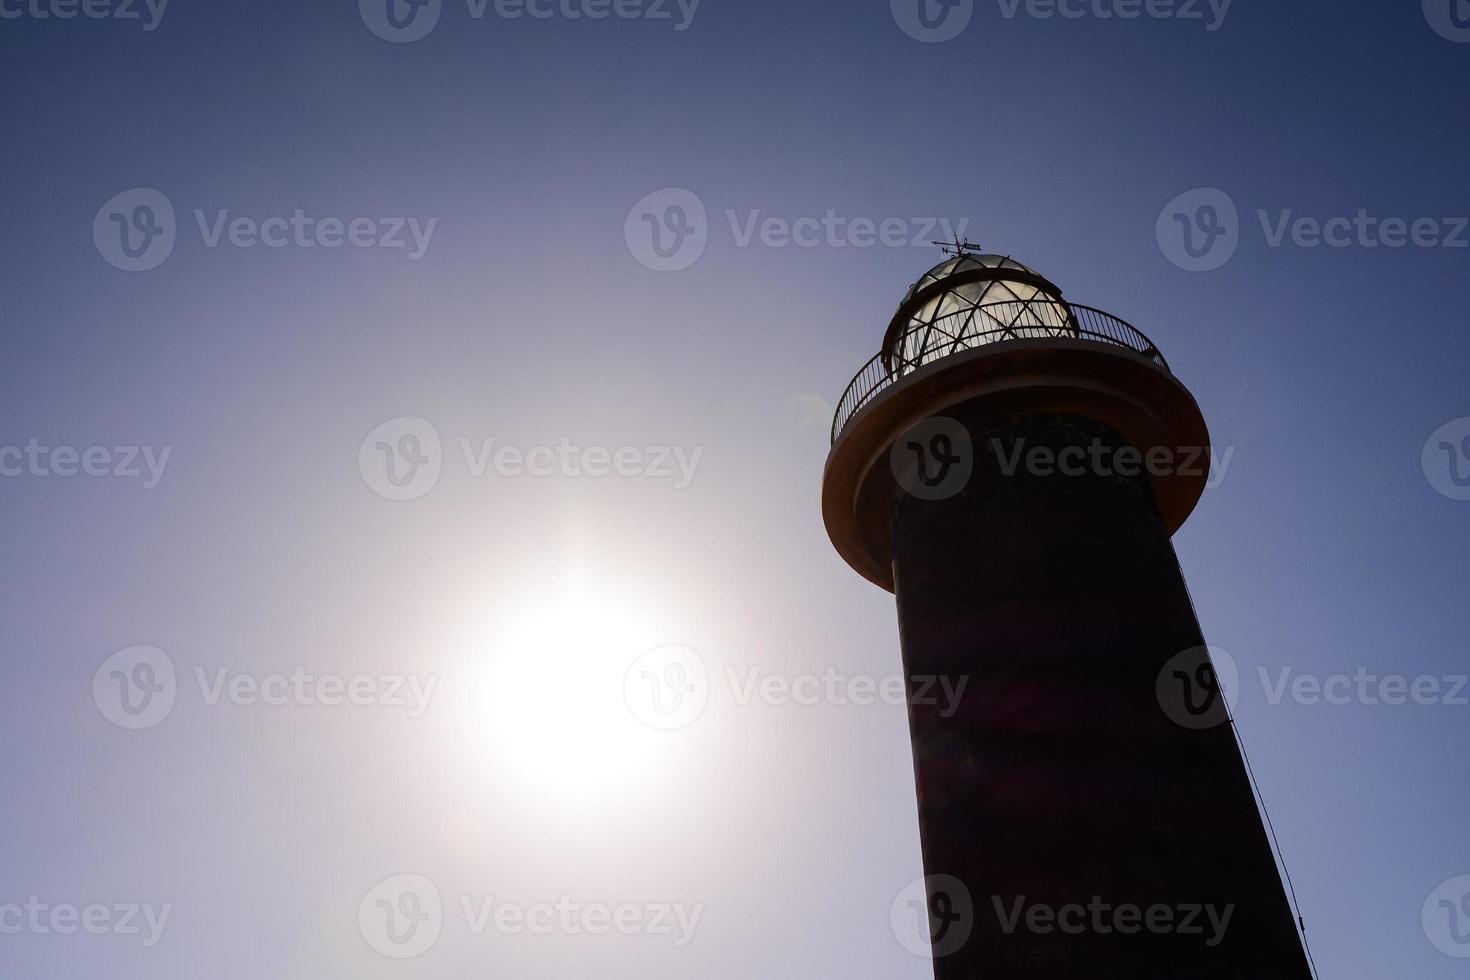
(957, 332)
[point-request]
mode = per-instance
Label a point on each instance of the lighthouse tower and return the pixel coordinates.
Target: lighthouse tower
(1012, 466)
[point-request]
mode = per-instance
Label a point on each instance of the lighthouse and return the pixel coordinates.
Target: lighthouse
(1012, 466)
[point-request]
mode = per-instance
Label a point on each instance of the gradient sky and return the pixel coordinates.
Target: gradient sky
(264, 549)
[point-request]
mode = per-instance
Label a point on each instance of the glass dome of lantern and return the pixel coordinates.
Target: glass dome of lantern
(970, 300)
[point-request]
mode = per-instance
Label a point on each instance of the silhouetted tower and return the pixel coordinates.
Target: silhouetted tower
(1012, 466)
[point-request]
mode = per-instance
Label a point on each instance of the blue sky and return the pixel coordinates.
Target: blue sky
(526, 313)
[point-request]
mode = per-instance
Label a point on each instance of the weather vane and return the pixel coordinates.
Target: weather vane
(958, 247)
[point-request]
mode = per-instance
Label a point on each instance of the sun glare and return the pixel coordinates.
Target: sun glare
(549, 710)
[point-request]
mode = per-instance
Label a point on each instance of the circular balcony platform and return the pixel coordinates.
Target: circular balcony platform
(1087, 364)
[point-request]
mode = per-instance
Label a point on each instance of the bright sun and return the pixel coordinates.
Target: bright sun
(549, 713)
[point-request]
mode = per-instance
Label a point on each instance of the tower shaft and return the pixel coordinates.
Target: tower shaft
(1099, 818)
